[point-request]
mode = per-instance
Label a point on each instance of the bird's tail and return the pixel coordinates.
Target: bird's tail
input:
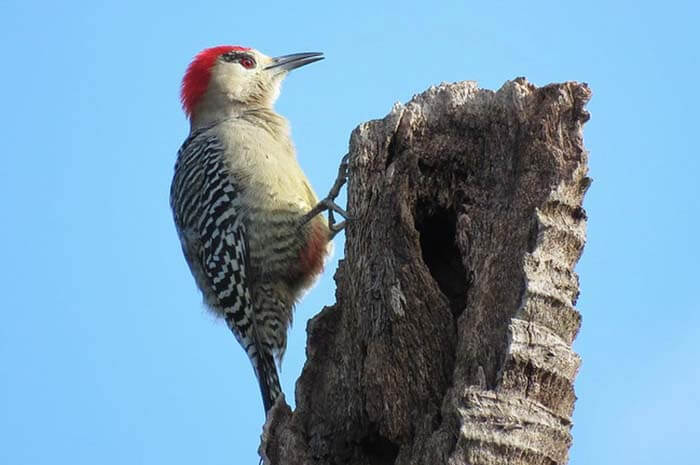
(266, 371)
(261, 357)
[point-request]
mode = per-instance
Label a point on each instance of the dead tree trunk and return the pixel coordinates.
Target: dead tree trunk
(450, 342)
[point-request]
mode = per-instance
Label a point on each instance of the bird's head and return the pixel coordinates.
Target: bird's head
(227, 79)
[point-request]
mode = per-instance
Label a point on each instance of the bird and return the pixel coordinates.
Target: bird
(246, 215)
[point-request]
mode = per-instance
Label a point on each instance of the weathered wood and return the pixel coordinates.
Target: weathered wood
(450, 341)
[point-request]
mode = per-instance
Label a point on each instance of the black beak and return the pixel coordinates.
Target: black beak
(295, 60)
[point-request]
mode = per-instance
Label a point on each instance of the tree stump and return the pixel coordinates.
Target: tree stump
(450, 341)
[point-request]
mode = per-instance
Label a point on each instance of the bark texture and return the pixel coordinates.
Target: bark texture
(450, 342)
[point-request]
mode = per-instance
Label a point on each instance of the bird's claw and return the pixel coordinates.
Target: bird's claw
(329, 204)
(334, 207)
(337, 227)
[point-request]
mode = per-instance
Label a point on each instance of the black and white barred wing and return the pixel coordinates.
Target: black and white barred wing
(205, 202)
(211, 229)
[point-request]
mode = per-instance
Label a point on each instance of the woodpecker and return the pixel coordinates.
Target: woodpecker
(246, 215)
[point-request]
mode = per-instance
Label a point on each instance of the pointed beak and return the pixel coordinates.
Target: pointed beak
(293, 61)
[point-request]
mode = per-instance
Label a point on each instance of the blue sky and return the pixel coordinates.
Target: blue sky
(106, 353)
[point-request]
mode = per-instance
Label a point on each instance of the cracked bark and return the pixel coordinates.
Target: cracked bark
(450, 342)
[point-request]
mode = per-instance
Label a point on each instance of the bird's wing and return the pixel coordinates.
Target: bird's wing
(206, 205)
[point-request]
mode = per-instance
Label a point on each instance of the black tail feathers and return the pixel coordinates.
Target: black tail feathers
(267, 378)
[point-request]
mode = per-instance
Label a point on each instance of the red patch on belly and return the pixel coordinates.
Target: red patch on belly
(312, 255)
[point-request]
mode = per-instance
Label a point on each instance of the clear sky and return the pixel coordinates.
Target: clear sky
(106, 353)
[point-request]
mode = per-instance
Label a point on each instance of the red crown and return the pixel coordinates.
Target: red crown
(198, 73)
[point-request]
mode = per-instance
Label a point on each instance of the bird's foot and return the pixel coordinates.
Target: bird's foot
(332, 225)
(328, 203)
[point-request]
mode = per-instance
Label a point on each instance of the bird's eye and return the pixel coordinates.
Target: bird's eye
(247, 62)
